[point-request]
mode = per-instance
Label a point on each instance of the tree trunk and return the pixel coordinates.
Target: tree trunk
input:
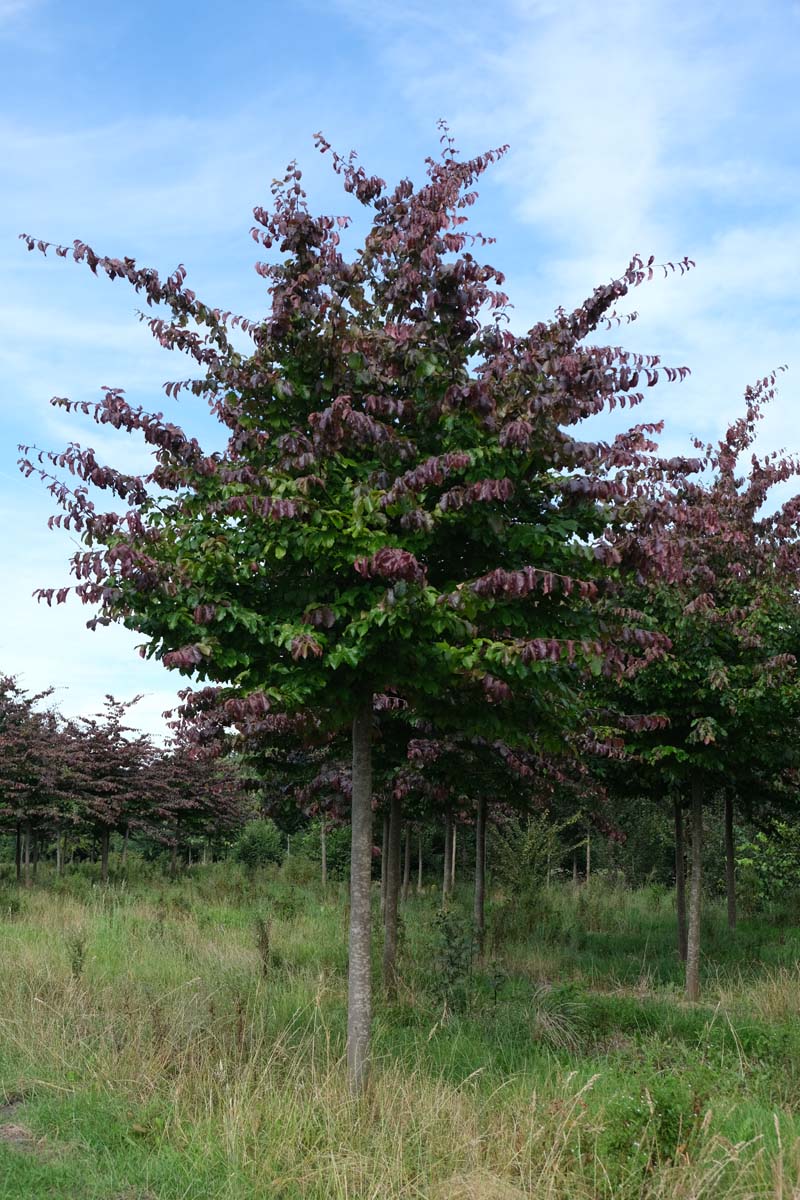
(695, 895)
(323, 846)
(359, 981)
(407, 862)
(453, 859)
(574, 868)
(18, 853)
(447, 879)
(124, 858)
(173, 860)
(588, 856)
(419, 861)
(384, 861)
(27, 854)
(105, 837)
(392, 898)
(730, 863)
(480, 874)
(58, 853)
(205, 852)
(680, 880)
(37, 841)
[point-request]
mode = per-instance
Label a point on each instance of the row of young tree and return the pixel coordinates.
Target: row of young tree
(66, 785)
(406, 541)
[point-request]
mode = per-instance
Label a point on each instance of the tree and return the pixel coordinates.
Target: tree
(729, 686)
(399, 509)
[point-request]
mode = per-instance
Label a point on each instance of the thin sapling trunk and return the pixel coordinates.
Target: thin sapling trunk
(480, 875)
(730, 863)
(680, 880)
(695, 895)
(359, 980)
(392, 899)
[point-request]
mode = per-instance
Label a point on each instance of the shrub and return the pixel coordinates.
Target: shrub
(260, 843)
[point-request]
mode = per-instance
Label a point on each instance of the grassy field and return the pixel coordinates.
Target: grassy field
(185, 1041)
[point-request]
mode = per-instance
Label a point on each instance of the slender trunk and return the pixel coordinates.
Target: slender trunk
(18, 852)
(384, 861)
(407, 862)
(323, 845)
(419, 861)
(392, 898)
(64, 852)
(695, 895)
(730, 863)
(359, 981)
(124, 858)
(105, 838)
(447, 881)
(173, 860)
(453, 858)
(680, 880)
(58, 852)
(27, 854)
(37, 841)
(189, 855)
(574, 868)
(480, 874)
(205, 853)
(588, 856)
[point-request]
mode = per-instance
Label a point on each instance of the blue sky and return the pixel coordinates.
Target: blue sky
(153, 129)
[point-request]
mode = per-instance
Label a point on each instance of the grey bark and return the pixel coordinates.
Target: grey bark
(124, 858)
(407, 862)
(680, 880)
(392, 899)
(730, 863)
(58, 852)
(447, 881)
(419, 861)
(574, 868)
(453, 858)
(18, 852)
(384, 861)
(479, 909)
(588, 855)
(359, 980)
(105, 837)
(695, 895)
(26, 855)
(323, 845)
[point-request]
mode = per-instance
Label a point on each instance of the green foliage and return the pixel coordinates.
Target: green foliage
(337, 847)
(11, 904)
(523, 852)
(768, 867)
(453, 953)
(260, 843)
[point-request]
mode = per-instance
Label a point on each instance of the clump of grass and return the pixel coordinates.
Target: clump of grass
(558, 1018)
(76, 943)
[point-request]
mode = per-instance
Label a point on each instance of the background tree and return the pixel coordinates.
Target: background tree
(729, 685)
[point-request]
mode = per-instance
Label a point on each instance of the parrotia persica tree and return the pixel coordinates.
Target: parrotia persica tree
(729, 685)
(400, 504)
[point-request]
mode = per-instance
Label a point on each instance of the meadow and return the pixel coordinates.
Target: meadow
(183, 1040)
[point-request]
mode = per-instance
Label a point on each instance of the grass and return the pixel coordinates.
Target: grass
(185, 1040)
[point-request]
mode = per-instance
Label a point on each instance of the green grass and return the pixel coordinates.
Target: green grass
(155, 1048)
